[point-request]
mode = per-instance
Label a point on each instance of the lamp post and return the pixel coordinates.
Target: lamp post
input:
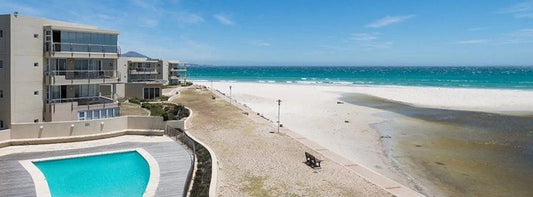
(230, 99)
(279, 106)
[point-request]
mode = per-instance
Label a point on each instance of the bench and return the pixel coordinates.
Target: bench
(312, 161)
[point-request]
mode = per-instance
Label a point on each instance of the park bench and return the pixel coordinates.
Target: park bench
(312, 161)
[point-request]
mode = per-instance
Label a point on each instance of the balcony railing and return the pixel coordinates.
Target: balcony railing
(77, 47)
(152, 80)
(178, 69)
(91, 100)
(85, 74)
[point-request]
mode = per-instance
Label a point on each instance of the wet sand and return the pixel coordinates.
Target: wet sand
(454, 152)
(429, 149)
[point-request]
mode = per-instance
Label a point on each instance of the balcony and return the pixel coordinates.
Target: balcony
(143, 72)
(76, 50)
(74, 77)
(147, 80)
(178, 69)
(65, 109)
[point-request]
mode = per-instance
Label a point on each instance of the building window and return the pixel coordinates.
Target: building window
(81, 115)
(1, 33)
(151, 93)
(1, 64)
(35, 92)
(1, 124)
(1, 94)
(36, 35)
(36, 64)
(98, 114)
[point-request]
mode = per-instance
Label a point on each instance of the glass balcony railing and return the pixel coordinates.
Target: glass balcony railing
(76, 47)
(89, 100)
(85, 74)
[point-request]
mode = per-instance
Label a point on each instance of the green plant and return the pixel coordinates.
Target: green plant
(163, 98)
(135, 100)
(168, 112)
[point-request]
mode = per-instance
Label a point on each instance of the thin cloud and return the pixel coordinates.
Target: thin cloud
(188, 18)
(389, 20)
(520, 10)
(476, 29)
(517, 37)
(223, 19)
(478, 41)
(364, 36)
(369, 41)
(260, 43)
(378, 45)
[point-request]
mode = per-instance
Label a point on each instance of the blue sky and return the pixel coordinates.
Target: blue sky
(305, 32)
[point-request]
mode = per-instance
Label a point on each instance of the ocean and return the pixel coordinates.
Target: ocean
(512, 77)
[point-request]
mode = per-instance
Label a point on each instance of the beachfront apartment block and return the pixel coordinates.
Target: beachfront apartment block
(56, 71)
(177, 72)
(143, 77)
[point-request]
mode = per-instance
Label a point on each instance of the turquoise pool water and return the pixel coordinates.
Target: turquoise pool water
(116, 174)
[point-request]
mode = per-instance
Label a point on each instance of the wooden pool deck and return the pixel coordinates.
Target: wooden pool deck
(173, 159)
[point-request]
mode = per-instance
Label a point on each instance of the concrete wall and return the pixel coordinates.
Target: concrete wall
(135, 90)
(179, 124)
(65, 129)
(121, 90)
(165, 71)
(122, 67)
(26, 50)
(5, 134)
(5, 77)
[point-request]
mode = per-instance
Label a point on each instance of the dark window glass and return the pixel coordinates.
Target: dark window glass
(157, 90)
(146, 93)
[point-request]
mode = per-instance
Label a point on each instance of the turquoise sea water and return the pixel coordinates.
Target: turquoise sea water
(474, 77)
(117, 174)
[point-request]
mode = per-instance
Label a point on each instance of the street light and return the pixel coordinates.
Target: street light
(279, 105)
(230, 95)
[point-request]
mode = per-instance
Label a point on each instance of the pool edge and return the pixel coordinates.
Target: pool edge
(41, 185)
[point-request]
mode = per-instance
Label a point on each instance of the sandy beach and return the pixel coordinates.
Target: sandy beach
(254, 160)
(350, 130)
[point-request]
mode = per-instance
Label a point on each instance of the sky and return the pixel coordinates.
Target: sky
(308, 32)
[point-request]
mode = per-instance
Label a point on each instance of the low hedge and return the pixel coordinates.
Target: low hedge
(168, 112)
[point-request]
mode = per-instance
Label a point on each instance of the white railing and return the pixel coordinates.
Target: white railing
(89, 100)
(78, 47)
(85, 74)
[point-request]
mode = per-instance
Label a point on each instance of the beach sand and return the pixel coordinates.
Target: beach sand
(255, 162)
(352, 130)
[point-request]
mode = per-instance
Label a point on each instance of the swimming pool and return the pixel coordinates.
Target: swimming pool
(112, 174)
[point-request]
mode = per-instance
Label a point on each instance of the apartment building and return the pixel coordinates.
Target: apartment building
(56, 71)
(177, 72)
(143, 77)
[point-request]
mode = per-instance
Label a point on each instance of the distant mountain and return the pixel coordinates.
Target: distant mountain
(134, 54)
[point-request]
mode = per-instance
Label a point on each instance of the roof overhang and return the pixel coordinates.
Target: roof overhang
(79, 29)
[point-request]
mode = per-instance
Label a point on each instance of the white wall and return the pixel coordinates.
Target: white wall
(26, 78)
(65, 129)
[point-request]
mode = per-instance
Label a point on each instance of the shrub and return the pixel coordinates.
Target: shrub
(135, 100)
(168, 112)
(163, 98)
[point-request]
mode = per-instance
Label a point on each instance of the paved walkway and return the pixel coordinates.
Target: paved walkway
(173, 159)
